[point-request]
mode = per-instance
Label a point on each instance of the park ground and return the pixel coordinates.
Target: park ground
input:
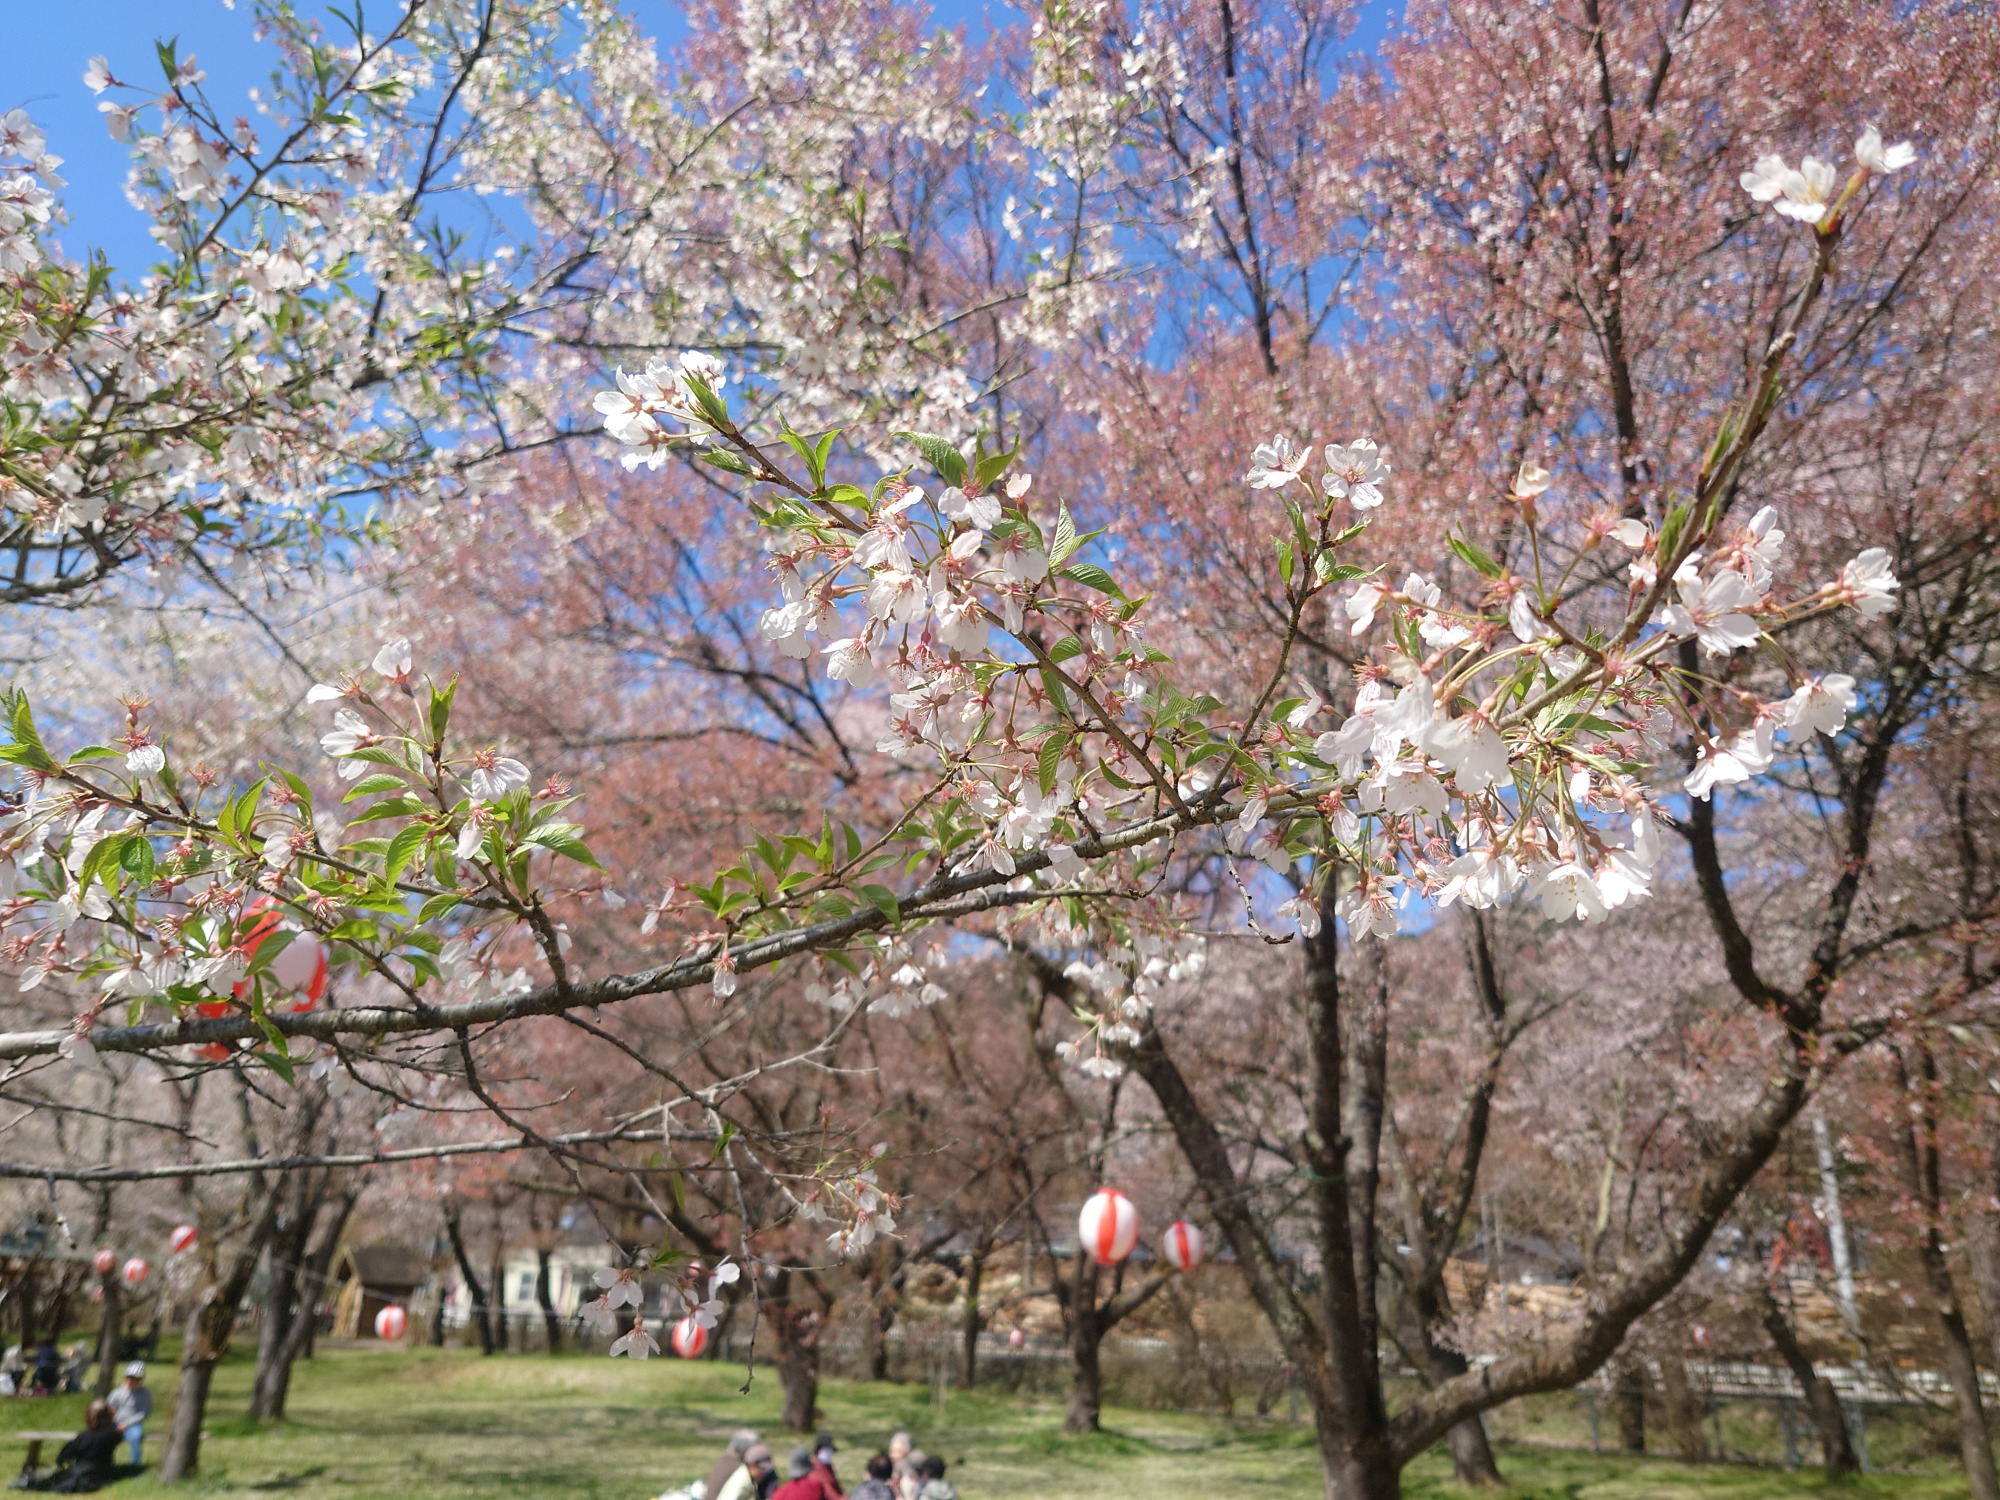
(431, 1424)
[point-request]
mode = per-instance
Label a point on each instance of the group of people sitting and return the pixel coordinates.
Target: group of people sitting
(51, 1373)
(747, 1470)
(89, 1461)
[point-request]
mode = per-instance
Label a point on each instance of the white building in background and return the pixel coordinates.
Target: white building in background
(571, 1268)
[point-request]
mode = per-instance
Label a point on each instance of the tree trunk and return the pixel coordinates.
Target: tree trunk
(881, 1316)
(1836, 1448)
(288, 1248)
(1921, 1170)
(109, 1333)
(551, 1322)
(455, 1232)
(302, 1326)
(1630, 1399)
(1683, 1413)
(207, 1340)
(1348, 1404)
(797, 1331)
(1086, 1338)
(975, 1270)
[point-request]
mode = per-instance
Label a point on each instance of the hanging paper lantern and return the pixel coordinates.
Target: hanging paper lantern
(106, 1262)
(136, 1271)
(1109, 1225)
(1181, 1245)
(299, 970)
(183, 1236)
(1016, 1339)
(390, 1323)
(690, 1338)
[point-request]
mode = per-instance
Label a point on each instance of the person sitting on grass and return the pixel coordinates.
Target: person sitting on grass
(934, 1485)
(877, 1485)
(727, 1465)
(88, 1461)
(800, 1482)
(822, 1469)
(754, 1478)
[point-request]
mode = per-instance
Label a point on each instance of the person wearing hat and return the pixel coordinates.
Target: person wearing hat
(730, 1461)
(822, 1467)
(130, 1405)
(800, 1484)
(754, 1478)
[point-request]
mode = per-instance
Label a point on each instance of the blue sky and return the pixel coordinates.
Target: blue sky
(49, 42)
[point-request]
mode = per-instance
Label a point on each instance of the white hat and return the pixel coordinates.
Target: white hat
(135, 1371)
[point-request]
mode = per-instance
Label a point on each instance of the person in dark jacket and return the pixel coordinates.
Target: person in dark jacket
(878, 1485)
(87, 1461)
(48, 1368)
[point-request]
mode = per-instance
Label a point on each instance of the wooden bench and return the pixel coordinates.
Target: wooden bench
(34, 1440)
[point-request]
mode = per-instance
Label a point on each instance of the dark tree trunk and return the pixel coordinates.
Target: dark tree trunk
(1836, 1448)
(975, 1270)
(1353, 1418)
(110, 1333)
(881, 1315)
(302, 1324)
(455, 1231)
(1630, 1400)
(797, 1332)
(207, 1339)
(1683, 1415)
(551, 1321)
(1086, 1375)
(288, 1248)
(1922, 1176)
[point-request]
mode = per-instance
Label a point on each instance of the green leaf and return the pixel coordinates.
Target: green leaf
(1475, 558)
(137, 858)
(402, 849)
(1049, 762)
(712, 407)
(562, 838)
(847, 494)
(441, 709)
(1064, 542)
(368, 786)
(437, 906)
(1329, 571)
(1285, 560)
(1094, 577)
(940, 454)
(28, 749)
(104, 855)
(722, 458)
(883, 900)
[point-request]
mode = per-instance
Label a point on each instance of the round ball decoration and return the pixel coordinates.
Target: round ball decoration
(1181, 1245)
(1109, 1226)
(391, 1323)
(299, 970)
(182, 1238)
(1016, 1339)
(690, 1338)
(106, 1262)
(136, 1271)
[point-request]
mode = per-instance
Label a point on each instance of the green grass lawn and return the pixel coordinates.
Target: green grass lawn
(448, 1425)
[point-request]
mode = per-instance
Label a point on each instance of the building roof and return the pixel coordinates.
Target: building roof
(390, 1267)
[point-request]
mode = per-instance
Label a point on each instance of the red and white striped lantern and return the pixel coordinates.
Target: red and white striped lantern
(106, 1262)
(690, 1338)
(1181, 1245)
(1016, 1339)
(182, 1238)
(1109, 1225)
(299, 970)
(136, 1271)
(390, 1323)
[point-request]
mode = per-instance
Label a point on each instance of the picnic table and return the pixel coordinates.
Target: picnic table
(34, 1439)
